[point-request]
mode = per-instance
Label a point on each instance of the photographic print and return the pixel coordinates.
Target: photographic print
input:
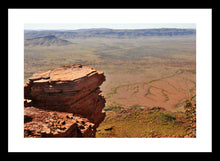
(110, 80)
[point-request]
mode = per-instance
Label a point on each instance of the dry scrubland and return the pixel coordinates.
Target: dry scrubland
(140, 73)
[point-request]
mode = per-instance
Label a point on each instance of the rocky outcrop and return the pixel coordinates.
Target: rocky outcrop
(71, 89)
(42, 123)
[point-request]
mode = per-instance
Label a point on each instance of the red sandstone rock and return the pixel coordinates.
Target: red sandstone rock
(71, 88)
(42, 123)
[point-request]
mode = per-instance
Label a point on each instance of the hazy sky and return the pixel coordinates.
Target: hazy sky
(72, 26)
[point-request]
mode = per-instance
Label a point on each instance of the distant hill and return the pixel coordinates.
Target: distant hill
(109, 33)
(49, 40)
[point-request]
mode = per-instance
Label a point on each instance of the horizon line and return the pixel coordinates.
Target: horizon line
(111, 28)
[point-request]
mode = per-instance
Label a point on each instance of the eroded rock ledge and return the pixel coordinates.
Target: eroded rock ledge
(64, 102)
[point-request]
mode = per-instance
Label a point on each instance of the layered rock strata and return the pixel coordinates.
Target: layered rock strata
(71, 89)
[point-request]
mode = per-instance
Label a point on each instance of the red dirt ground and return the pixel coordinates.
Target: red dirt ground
(169, 91)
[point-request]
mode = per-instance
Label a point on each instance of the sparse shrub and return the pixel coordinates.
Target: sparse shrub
(157, 108)
(136, 107)
(167, 117)
(190, 111)
(113, 108)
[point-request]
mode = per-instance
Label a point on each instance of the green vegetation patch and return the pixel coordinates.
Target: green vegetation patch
(136, 121)
(113, 108)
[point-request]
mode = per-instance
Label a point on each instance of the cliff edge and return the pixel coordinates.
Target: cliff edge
(64, 102)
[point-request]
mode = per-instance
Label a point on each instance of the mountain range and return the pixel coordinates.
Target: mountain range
(49, 40)
(108, 33)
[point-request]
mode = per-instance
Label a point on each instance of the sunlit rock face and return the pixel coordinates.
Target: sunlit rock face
(71, 89)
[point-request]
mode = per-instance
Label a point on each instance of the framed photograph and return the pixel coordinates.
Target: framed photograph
(137, 80)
